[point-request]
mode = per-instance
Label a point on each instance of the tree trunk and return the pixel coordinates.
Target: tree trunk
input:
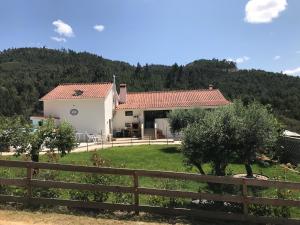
(34, 157)
(199, 167)
(219, 169)
(249, 170)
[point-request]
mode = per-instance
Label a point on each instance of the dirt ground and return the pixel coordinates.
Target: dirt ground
(13, 217)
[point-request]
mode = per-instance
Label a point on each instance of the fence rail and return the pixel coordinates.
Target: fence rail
(137, 190)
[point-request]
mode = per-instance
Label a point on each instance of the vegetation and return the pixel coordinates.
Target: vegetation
(26, 74)
(153, 157)
(25, 139)
(227, 134)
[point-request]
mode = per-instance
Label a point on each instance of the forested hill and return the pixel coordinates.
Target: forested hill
(26, 74)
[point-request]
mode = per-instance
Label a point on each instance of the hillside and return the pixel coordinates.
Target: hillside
(26, 74)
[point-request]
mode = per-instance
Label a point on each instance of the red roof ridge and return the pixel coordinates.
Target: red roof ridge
(66, 91)
(169, 91)
(94, 83)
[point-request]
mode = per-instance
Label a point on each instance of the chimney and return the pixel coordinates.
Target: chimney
(210, 87)
(123, 93)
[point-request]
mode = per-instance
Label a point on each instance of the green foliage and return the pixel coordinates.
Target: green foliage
(277, 211)
(26, 74)
(14, 132)
(179, 119)
(65, 138)
(231, 133)
(19, 135)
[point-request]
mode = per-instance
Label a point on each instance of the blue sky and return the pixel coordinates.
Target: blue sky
(261, 34)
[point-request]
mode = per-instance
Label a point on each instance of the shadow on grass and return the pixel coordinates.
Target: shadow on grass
(170, 150)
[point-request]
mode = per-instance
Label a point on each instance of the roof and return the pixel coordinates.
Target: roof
(174, 99)
(78, 91)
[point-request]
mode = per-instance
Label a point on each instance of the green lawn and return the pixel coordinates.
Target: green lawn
(160, 157)
(165, 157)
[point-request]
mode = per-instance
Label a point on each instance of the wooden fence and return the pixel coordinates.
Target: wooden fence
(137, 190)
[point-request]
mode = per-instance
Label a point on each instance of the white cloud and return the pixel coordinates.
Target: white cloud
(59, 39)
(276, 57)
(240, 59)
(63, 29)
(294, 72)
(99, 27)
(263, 11)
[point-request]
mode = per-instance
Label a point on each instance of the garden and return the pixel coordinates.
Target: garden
(225, 142)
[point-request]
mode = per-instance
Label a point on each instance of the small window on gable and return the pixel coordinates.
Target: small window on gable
(77, 92)
(128, 113)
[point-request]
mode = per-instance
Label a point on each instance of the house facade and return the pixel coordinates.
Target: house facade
(98, 108)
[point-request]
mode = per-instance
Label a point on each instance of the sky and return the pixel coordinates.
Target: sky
(260, 34)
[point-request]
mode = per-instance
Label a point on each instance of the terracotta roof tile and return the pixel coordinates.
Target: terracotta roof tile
(174, 99)
(78, 91)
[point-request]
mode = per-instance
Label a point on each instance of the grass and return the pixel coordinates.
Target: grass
(162, 157)
(167, 158)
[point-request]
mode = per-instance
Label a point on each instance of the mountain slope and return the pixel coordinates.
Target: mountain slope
(26, 74)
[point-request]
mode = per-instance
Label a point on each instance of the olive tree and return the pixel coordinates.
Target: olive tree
(13, 133)
(258, 132)
(180, 118)
(211, 140)
(49, 135)
(229, 134)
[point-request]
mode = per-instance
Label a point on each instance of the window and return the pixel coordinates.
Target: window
(77, 92)
(128, 113)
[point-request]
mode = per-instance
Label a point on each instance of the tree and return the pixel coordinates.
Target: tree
(179, 119)
(13, 133)
(211, 140)
(258, 133)
(49, 135)
(65, 139)
(230, 133)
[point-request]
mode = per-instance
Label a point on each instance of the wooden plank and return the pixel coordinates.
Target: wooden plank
(273, 201)
(68, 203)
(192, 195)
(216, 216)
(190, 176)
(20, 182)
(14, 163)
(81, 186)
(66, 167)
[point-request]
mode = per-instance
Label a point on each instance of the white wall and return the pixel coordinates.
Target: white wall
(109, 108)
(163, 125)
(91, 116)
(120, 119)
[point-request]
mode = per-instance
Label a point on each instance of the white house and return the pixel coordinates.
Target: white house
(97, 108)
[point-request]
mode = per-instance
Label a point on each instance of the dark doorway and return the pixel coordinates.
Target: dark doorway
(150, 117)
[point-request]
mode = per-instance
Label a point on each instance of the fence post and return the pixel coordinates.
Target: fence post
(136, 193)
(29, 178)
(245, 194)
